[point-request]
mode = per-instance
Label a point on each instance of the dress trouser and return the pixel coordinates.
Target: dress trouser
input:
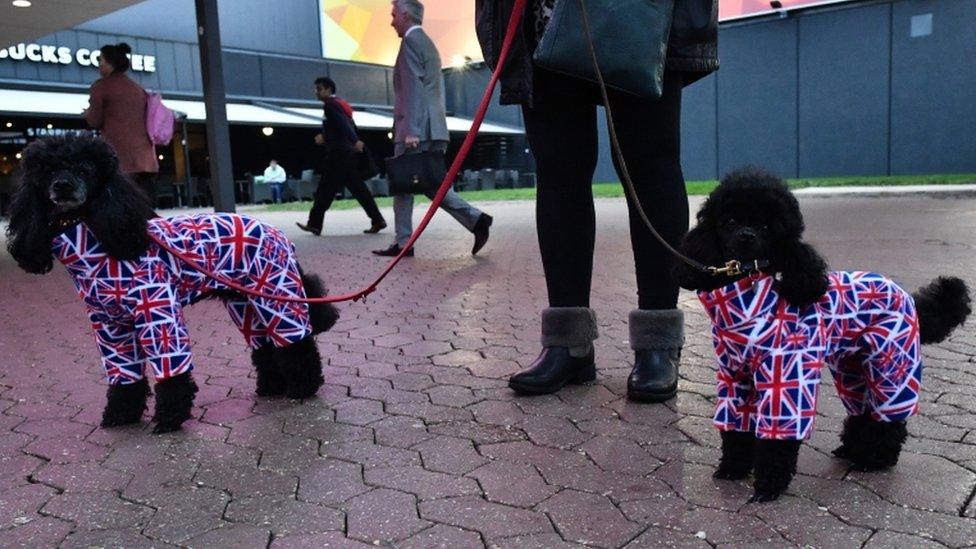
(465, 213)
(562, 131)
(338, 171)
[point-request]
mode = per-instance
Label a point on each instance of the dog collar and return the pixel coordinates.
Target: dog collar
(64, 223)
(734, 267)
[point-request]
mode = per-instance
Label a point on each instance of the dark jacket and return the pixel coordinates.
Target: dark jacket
(338, 128)
(692, 46)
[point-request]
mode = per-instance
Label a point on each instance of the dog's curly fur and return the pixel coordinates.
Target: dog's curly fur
(758, 204)
(116, 211)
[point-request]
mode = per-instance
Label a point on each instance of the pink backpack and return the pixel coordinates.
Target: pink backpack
(159, 120)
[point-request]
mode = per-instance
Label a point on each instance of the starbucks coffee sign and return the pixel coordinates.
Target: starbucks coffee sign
(63, 55)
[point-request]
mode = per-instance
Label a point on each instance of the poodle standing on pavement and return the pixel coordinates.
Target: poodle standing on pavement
(74, 205)
(775, 326)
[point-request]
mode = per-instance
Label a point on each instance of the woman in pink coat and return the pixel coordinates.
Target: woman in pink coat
(117, 107)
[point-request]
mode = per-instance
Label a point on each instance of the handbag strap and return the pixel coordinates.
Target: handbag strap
(615, 146)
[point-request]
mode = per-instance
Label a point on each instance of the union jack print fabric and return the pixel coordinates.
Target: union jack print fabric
(136, 307)
(770, 353)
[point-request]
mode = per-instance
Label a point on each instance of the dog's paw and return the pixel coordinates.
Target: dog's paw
(723, 473)
(162, 428)
(842, 451)
(763, 497)
(118, 421)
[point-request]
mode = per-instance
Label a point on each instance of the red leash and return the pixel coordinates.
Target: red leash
(513, 26)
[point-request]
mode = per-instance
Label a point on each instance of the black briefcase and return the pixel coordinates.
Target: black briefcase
(415, 173)
(365, 165)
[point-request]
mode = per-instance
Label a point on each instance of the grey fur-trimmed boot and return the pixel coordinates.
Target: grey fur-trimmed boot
(567, 352)
(656, 338)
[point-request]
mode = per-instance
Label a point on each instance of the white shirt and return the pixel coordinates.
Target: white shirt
(274, 174)
(411, 29)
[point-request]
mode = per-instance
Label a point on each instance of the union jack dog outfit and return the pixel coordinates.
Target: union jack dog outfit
(135, 307)
(770, 353)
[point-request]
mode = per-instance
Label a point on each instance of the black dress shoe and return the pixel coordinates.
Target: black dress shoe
(393, 251)
(481, 233)
(309, 229)
(554, 368)
(655, 375)
(376, 227)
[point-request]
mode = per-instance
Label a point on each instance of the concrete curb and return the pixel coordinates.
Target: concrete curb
(934, 191)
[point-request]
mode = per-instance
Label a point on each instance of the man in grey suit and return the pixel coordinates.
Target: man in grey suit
(420, 122)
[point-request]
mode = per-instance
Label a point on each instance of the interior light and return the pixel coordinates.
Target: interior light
(21, 3)
(18, 156)
(389, 135)
(267, 130)
(161, 157)
(10, 124)
(50, 126)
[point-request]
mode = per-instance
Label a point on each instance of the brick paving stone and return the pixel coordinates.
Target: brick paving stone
(370, 454)
(526, 452)
(242, 481)
(228, 411)
(940, 491)
(97, 510)
(620, 455)
(553, 431)
(383, 516)
(589, 519)
(285, 516)
(37, 532)
(716, 526)
(803, 522)
(330, 540)
(534, 541)
(359, 412)
(453, 396)
(331, 482)
(21, 504)
(449, 455)
(81, 477)
(15, 470)
(442, 537)
(430, 413)
(891, 540)
(400, 431)
(421, 482)
(186, 512)
(239, 536)
(83, 539)
(657, 537)
(478, 433)
(66, 450)
(491, 519)
(516, 484)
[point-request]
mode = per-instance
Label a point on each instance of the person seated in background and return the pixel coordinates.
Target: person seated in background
(275, 176)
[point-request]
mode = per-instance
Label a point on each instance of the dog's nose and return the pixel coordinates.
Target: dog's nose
(61, 186)
(747, 235)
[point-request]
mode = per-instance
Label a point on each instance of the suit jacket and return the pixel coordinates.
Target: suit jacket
(418, 89)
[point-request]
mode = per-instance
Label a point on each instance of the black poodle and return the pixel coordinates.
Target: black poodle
(74, 205)
(781, 315)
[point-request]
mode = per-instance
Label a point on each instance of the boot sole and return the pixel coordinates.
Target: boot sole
(651, 397)
(585, 376)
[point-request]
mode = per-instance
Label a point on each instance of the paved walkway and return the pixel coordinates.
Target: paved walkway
(416, 441)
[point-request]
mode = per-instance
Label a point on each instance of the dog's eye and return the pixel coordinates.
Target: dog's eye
(765, 227)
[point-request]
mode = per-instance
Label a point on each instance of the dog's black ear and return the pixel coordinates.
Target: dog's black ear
(118, 210)
(804, 274)
(28, 234)
(700, 244)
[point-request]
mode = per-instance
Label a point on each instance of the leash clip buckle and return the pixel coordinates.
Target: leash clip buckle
(732, 268)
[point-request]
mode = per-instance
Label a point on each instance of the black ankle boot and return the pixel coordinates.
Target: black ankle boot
(554, 368)
(655, 375)
(656, 336)
(563, 328)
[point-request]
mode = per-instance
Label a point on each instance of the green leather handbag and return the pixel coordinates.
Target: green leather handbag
(630, 38)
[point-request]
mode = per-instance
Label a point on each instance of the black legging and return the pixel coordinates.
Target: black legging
(562, 132)
(339, 170)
